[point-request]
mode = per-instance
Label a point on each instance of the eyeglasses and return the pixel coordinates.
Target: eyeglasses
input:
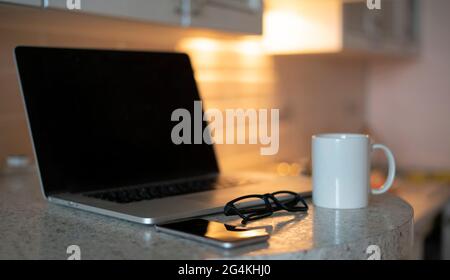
(282, 200)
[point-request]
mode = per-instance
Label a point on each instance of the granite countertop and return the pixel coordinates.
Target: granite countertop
(33, 229)
(428, 199)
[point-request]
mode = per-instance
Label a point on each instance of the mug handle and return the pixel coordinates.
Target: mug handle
(391, 173)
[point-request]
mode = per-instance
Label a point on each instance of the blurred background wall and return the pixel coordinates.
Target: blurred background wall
(408, 100)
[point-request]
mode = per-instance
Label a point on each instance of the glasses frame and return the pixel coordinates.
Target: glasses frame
(271, 205)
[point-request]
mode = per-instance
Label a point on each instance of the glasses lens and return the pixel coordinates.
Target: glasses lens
(251, 205)
(290, 201)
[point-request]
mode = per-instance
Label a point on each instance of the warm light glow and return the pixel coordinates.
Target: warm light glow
(250, 47)
(226, 77)
(283, 169)
(200, 44)
(240, 60)
(295, 169)
(286, 169)
(302, 26)
(245, 46)
(290, 26)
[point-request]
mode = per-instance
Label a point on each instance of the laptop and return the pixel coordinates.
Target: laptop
(100, 122)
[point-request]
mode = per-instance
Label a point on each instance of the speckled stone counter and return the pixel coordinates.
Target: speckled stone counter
(30, 228)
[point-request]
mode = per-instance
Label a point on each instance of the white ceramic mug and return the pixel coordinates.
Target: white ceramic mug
(341, 170)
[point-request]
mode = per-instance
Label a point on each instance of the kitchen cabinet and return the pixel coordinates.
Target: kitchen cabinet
(393, 29)
(23, 2)
(162, 11)
(229, 15)
(341, 26)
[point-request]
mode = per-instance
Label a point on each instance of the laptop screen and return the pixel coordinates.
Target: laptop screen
(101, 119)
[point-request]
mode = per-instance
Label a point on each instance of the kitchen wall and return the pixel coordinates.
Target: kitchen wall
(315, 93)
(408, 99)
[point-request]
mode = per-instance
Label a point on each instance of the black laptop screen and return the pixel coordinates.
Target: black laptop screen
(102, 119)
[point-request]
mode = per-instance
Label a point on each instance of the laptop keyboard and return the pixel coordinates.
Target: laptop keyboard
(135, 194)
